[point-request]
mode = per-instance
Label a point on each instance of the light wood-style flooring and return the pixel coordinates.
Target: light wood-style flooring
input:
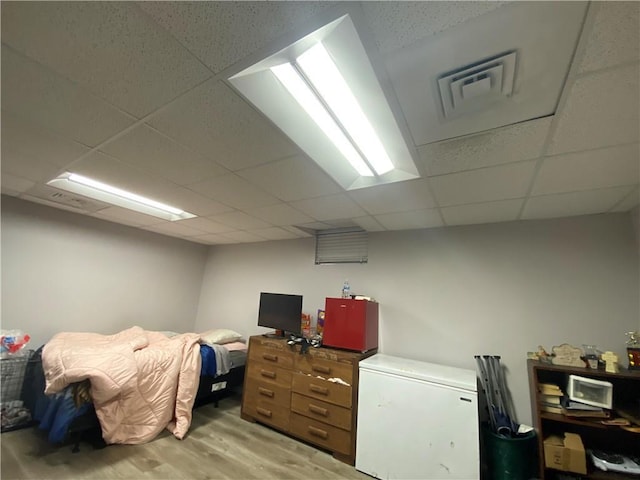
(220, 445)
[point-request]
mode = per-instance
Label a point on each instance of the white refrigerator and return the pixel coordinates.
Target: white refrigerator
(417, 420)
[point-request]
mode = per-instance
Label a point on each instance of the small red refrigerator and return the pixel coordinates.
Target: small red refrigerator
(350, 324)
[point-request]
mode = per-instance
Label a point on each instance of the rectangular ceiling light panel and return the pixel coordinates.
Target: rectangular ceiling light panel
(329, 82)
(322, 91)
(301, 91)
(97, 190)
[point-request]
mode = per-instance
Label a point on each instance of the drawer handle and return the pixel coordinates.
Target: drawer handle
(321, 369)
(268, 373)
(265, 392)
(264, 412)
(319, 389)
(319, 410)
(318, 433)
(270, 357)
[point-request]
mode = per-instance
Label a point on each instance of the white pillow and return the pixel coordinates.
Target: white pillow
(220, 336)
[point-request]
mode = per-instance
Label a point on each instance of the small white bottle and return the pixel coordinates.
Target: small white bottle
(346, 289)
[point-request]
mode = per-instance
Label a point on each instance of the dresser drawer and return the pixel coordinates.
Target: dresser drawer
(276, 353)
(259, 372)
(324, 390)
(325, 412)
(267, 412)
(324, 367)
(327, 436)
(267, 392)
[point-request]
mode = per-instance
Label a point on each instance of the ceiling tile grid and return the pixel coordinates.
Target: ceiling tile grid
(489, 212)
(110, 48)
(146, 148)
(574, 203)
(135, 94)
(522, 141)
(243, 31)
(40, 96)
(601, 110)
(220, 125)
(614, 37)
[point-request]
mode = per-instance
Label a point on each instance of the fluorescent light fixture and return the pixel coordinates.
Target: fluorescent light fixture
(91, 188)
(323, 92)
(296, 85)
(330, 84)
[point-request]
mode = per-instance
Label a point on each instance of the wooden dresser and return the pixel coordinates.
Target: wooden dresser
(299, 394)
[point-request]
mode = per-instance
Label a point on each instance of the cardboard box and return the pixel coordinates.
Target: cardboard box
(566, 454)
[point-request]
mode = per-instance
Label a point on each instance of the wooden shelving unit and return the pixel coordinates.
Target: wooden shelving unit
(595, 435)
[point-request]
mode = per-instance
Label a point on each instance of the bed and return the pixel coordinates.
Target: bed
(132, 385)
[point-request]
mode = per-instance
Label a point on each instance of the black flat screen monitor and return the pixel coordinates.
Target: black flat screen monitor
(280, 311)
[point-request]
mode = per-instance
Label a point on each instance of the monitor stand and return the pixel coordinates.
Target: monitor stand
(276, 334)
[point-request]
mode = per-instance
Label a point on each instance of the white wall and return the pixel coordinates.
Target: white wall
(447, 294)
(64, 271)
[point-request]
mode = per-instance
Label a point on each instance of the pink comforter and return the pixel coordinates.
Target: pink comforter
(141, 381)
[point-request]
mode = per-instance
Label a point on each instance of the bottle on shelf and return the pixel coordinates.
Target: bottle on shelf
(346, 289)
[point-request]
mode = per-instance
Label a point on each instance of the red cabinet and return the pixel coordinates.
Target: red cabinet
(350, 324)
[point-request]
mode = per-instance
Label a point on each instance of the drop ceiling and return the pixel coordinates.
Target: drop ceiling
(136, 94)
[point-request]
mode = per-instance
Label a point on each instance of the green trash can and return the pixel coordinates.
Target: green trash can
(510, 458)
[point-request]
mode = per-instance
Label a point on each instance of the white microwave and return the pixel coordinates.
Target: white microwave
(597, 393)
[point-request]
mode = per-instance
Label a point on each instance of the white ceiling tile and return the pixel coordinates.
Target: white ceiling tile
(212, 239)
(127, 217)
(116, 52)
(30, 140)
(244, 237)
(15, 184)
(292, 178)
(330, 207)
(234, 191)
(489, 212)
(243, 27)
(593, 169)
(274, 233)
(297, 231)
(39, 96)
(192, 202)
(239, 220)
(410, 220)
(5, 190)
(399, 24)
(542, 62)
(220, 125)
(369, 223)
(394, 197)
(522, 141)
(22, 165)
(205, 225)
(148, 149)
(483, 185)
(174, 229)
(630, 201)
(341, 223)
(575, 203)
(315, 226)
(614, 37)
(601, 110)
(280, 214)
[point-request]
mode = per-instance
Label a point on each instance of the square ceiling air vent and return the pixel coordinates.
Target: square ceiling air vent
(473, 88)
